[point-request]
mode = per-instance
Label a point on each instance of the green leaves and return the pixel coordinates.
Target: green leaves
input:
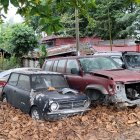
(49, 11)
(18, 39)
(5, 4)
(15, 3)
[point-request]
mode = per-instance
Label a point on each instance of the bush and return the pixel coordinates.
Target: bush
(12, 62)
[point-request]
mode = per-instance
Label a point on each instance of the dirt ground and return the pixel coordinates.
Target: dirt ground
(101, 123)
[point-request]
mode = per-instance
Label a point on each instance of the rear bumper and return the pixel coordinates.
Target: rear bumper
(60, 114)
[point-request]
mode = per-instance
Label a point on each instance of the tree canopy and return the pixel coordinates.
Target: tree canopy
(48, 11)
(18, 39)
(57, 16)
(118, 18)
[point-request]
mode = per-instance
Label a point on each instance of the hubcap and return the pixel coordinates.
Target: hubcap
(35, 114)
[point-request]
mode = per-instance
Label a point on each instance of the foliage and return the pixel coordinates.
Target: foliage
(17, 39)
(23, 39)
(5, 37)
(48, 11)
(119, 14)
(42, 54)
(9, 63)
(68, 22)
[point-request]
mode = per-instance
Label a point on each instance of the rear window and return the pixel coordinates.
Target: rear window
(48, 65)
(13, 79)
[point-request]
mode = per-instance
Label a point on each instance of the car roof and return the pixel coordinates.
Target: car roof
(108, 53)
(116, 53)
(74, 57)
(31, 72)
(7, 72)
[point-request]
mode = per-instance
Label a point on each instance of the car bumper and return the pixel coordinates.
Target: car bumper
(60, 114)
(120, 100)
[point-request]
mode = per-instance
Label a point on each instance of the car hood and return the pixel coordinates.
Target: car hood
(65, 93)
(118, 75)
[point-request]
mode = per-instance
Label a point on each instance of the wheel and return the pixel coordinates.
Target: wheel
(96, 96)
(36, 113)
(4, 98)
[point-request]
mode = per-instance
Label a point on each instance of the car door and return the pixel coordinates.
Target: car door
(23, 92)
(75, 79)
(10, 89)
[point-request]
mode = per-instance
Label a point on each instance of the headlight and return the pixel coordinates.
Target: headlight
(87, 103)
(119, 86)
(54, 106)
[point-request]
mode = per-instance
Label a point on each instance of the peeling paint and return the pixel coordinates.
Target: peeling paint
(32, 96)
(45, 106)
(41, 95)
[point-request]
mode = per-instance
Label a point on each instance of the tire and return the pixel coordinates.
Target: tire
(96, 96)
(35, 113)
(4, 98)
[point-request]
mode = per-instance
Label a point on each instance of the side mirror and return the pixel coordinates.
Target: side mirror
(123, 66)
(74, 71)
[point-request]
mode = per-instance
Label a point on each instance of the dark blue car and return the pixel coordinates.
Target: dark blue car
(44, 95)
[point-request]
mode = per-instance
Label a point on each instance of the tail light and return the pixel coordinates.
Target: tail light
(2, 83)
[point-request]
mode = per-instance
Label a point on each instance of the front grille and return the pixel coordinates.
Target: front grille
(133, 91)
(71, 104)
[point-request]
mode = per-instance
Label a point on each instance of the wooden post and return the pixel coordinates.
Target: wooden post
(110, 31)
(77, 31)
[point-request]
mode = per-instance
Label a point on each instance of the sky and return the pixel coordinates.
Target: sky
(11, 16)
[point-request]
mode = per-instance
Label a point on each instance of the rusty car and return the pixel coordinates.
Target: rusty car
(100, 77)
(44, 95)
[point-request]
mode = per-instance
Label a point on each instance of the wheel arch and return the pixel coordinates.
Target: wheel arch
(96, 87)
(31, 108)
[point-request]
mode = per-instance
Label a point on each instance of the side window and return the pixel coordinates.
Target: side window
(13, 79)
(48, 65)
(55, 66)
(71, 64)
(61, 66)
(24, 82)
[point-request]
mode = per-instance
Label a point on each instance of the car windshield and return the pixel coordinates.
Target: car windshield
(118, 60)
(132, 60)
(98, 63)
(48, 80)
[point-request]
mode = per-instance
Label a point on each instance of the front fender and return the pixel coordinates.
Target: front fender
(97, 87)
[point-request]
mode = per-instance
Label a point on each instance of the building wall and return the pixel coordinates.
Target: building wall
(70, 40)
(30, 63)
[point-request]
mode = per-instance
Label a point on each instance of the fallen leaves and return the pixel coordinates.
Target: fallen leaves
(99, 123)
